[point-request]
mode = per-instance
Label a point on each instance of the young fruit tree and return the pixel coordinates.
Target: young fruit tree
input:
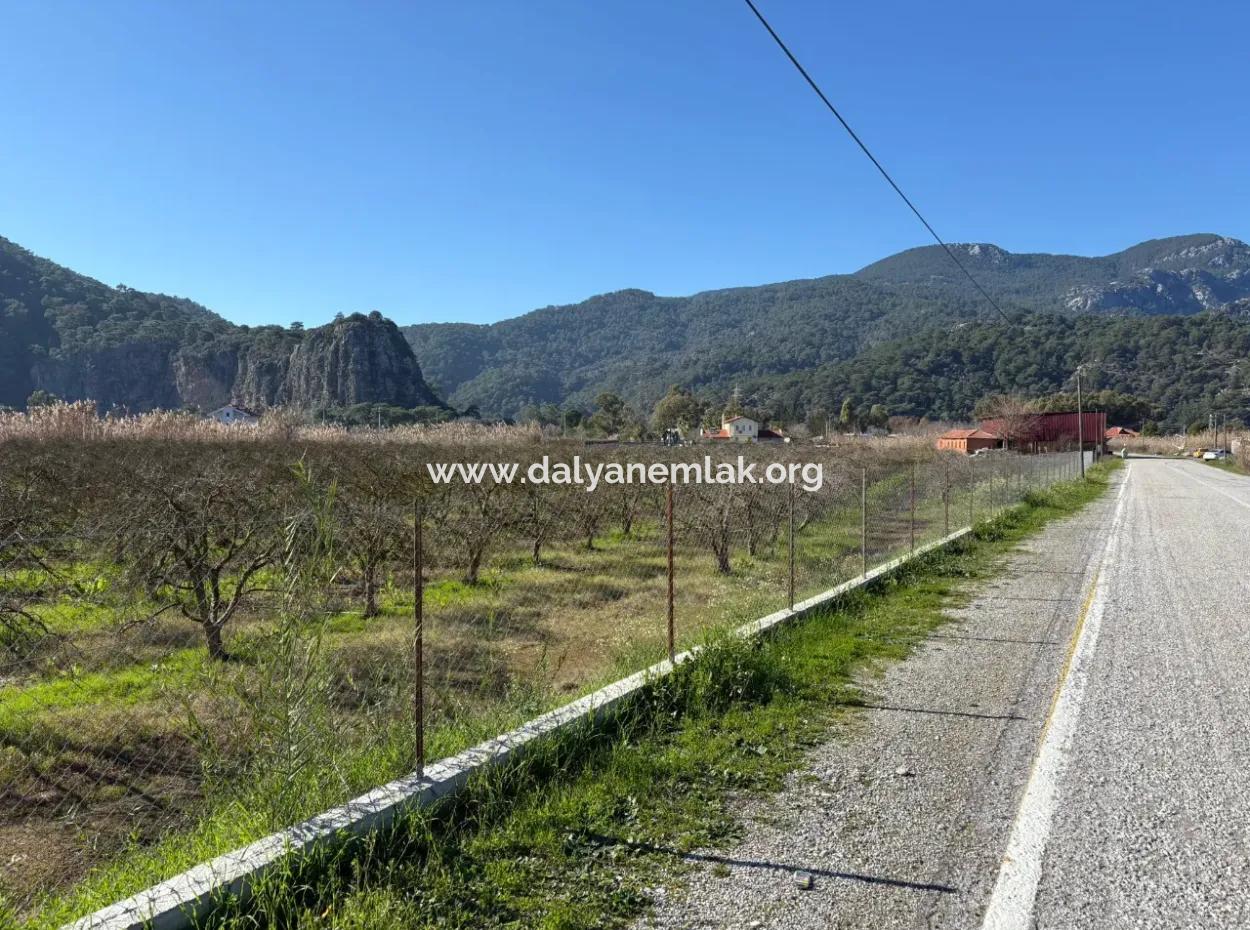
(198, 526)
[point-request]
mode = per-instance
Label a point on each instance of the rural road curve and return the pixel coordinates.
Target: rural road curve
(1077, 746)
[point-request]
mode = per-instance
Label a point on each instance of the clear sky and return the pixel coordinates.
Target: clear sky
(474, 159)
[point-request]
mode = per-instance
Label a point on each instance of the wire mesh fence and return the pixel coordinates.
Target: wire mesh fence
(203, 642)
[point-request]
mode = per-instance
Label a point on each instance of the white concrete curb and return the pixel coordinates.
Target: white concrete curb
(176, 903)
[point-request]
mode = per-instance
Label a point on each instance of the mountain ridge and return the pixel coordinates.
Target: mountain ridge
(555, 355)
(896, 332)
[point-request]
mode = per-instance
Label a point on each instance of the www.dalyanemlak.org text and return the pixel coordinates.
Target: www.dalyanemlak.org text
(808, 476)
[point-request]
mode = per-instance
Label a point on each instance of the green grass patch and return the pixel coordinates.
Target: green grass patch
(1228, 465)
(25, 707)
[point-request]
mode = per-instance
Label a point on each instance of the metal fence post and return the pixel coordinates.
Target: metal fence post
(972, 499)
(913, 506)
(672, 626)
(946, 498)
(791, 545)
(418, 617)
(863, 519)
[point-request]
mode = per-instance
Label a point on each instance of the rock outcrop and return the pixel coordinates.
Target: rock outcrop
(77, 338)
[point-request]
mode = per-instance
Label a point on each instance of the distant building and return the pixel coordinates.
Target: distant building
(1122, 432)
(234, 415)
(967, 441)
(1049, 432)
(743, 429)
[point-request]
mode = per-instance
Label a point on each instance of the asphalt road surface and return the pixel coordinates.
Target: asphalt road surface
(1073, 753)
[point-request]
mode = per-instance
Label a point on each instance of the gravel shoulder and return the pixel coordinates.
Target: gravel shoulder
(901, 817)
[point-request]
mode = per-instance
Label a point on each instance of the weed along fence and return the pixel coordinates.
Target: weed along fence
(209, 647)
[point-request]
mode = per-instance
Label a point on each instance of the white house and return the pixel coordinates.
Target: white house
(743, 429)
(234, 415)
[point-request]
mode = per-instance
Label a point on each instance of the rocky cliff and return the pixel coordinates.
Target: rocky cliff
(76, 338)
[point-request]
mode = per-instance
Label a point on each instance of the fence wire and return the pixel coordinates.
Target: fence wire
(224, 641)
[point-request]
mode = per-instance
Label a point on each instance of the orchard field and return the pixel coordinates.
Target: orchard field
(206, 635)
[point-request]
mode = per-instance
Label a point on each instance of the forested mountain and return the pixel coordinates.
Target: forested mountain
(1184, 366)
(636, 344)
(76, 338)
(1167, 321)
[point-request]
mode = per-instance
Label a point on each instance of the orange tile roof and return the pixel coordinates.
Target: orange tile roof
(968, 434)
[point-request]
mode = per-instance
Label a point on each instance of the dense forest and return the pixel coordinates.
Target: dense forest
(1183, 367)
(635, 343)
(871, 333)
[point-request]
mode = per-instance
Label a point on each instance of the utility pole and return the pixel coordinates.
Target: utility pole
(1080, 423)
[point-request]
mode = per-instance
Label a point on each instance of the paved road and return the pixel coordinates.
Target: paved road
(1078, 746)
(1152, 828)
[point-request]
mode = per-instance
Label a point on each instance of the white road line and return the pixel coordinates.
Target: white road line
(1181, 469)
(1011, 904)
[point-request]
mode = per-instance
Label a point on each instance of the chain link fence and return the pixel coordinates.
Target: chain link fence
(202, 642)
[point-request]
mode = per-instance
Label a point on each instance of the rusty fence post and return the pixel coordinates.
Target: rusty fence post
(418, 618)
(946, 498)
(972, 498)
(791, 545)
(672, 625)
(863, 519)
(913, 506)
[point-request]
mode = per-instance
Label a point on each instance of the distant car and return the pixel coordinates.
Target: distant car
(1214, 455)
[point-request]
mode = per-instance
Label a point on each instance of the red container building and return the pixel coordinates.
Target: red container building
(1049, 432)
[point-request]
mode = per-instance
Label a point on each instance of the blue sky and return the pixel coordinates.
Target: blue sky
(473, 160)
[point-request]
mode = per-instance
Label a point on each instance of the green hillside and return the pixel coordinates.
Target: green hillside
(1166, 320)
(635, 343)
(1185, 367)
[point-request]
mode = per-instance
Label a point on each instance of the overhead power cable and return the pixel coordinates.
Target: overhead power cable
(885, 174)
